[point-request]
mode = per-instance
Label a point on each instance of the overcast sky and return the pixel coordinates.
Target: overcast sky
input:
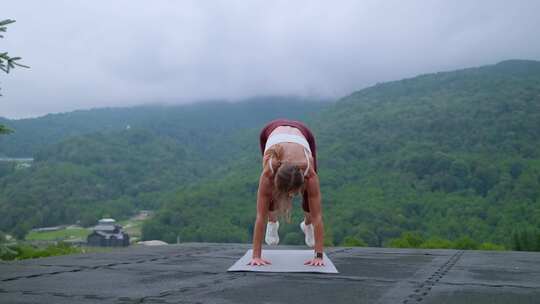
(86, 54)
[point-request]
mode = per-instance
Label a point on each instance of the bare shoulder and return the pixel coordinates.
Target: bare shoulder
(266, 170)
(270, 159)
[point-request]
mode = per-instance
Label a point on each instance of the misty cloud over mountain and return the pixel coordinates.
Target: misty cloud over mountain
(96, 54)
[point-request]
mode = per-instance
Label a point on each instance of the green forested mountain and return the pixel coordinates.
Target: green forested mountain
(115, 172)
(439, 158)
(205, 118)
(447, 156)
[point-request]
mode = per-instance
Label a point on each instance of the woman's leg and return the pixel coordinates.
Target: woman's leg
(307, 218)
(272, 235)
(305, 207)
(272, 212)
(307, 228)
(272, 216)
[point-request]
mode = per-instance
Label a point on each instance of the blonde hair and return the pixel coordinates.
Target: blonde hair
(287, 177)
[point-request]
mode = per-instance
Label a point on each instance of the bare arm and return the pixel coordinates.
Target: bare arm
(264, 195)
(315, 210)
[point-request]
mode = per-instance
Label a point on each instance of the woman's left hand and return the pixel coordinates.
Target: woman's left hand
(315, 262)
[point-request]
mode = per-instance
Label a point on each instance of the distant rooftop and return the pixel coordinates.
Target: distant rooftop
(196, 273)
(107, 221)
(104, 228)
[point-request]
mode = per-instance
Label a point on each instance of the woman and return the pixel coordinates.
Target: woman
(289, 168)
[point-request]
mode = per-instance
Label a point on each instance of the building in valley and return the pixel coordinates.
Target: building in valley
(108, 234)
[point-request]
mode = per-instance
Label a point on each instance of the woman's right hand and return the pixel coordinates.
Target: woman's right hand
(259, 262)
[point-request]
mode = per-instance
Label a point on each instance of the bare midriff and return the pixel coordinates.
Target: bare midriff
(292, 152)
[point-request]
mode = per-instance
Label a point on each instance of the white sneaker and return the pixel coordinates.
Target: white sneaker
(272, 236)
(308, 231)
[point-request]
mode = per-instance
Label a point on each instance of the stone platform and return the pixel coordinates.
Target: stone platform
(196, 273)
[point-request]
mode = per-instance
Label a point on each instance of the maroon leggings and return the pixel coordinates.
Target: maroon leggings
(271, 126)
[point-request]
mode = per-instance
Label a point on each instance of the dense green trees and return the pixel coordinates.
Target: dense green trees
(117, 170)
(450, 158)
(526, 239)
(197, 125)
(447, 160)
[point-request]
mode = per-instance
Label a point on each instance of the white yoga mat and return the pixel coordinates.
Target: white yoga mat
(284, 261)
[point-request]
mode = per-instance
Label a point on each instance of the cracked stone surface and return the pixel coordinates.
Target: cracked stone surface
(197, 273)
